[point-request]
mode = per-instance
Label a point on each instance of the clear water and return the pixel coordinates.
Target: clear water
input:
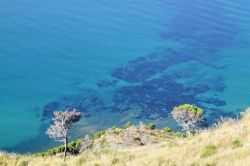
(116, 61)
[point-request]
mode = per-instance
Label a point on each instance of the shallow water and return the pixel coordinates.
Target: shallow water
(118, 61)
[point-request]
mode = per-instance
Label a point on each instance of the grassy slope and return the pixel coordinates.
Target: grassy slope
(211, 147)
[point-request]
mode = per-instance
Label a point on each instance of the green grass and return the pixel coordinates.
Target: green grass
(150, 126)
(167, 129)
(23, 163)
(98, 134)
(128, 124)
(237, 143)
(208, 151)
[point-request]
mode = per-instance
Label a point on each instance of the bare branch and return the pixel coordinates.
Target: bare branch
(62, 121)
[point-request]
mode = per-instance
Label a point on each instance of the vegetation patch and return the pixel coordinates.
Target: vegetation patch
(72, 148)
(191, 108)
(209, 151)
(150, 126)
(167, 129)
(211, 164)
(189, 117)
(237, 143)
(98, 134)
(23, 163)
(128, 125)
(179, 134)
(115, 161)
(81, 161)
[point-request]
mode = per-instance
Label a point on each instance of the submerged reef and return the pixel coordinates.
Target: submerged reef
(81, 102)
(151, 87)
(153, 84)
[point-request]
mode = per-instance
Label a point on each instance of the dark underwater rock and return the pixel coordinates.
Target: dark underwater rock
(105, 84)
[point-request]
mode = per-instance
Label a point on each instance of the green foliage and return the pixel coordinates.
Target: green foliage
(72, 148)
(98, 134)
(115, 161)
(23, 163)
(167, 129)
(179, 134)
(53, 151)
(150, 126)
(96, 164)
(128, 125)
(114, 127)
(191, 108)
(237, 143)
(209, 151)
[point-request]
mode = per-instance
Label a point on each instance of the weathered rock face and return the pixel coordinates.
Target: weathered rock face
(86, 144)
(114, 138)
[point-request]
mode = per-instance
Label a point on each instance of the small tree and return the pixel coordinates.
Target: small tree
(188, 116)
(62, 121)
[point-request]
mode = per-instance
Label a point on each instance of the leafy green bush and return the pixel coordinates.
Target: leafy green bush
(72, 148)
(114, 127)
(98, 134)
(191, 108)
(128, 125)
(179, 134)
(150, 126)
(115, 161)
(209, 151)
(167, 129)
(237, 143)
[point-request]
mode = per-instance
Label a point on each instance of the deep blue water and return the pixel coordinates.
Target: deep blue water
(116, 61)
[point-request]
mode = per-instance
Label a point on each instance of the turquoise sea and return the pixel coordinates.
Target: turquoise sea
(118, 60)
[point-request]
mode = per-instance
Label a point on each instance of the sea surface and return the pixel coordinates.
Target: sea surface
(118, 60)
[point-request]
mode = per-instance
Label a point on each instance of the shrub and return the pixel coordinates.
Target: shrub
(209, 151)
(99, 134)
(167, 129)
(114, 127)
(72, 148)
(179, 134)
(191, 108)
(128, 125)
(115, 161)
(188, 116)
(237, 143)
(151, 126)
